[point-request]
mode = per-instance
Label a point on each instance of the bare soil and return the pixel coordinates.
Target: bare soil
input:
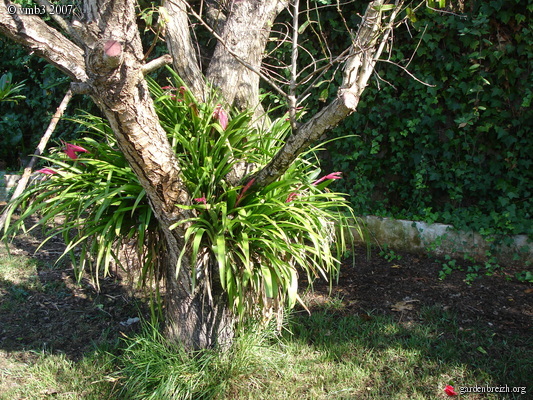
(407, 284)
(64, 316)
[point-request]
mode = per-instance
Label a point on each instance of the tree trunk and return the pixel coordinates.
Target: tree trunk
(111, 73)
(106, 62)
(121, 92)
(197, 319)
(181, 47)
(240, 51)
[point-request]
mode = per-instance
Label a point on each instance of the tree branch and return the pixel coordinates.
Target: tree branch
(32, 32)
(365, 50)
(291, 99)
(156, 63)
(180, 46)
(23, 182)
(241, 47)
(255, 70)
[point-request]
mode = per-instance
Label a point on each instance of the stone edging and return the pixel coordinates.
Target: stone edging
(441, 239)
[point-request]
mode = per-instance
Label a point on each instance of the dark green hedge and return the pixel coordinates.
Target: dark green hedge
(23, 123)
(459, 152)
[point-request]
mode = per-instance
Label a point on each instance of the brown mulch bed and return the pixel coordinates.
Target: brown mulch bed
(67, 317)
(403, 287)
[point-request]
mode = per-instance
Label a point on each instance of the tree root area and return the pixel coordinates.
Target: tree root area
(55, 313)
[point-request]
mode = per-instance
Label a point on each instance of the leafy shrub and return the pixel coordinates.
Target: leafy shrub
(258, 241)
(91, 201)
(9, 91)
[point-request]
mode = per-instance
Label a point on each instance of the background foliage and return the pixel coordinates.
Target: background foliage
(458, 152)
(24, 122)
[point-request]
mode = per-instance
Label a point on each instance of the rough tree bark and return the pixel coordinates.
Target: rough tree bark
(245, 34)
(106, 63)
(242, 29)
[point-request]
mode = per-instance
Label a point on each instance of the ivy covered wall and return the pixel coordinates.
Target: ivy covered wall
(461, 150)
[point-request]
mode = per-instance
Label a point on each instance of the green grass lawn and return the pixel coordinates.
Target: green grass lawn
(327, 355)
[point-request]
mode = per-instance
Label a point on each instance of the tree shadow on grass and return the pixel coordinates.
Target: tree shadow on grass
(414, 357)
(410, 330)
(44, 307)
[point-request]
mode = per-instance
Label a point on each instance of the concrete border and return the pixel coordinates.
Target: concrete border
(441, 239)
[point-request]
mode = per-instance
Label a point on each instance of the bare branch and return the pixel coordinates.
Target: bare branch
(366, 49)
(233, 53)
(291, 98)
(23, 182)
(408, 72)
(32, 32)
(157, 63)
(56, 17)
(322, 71)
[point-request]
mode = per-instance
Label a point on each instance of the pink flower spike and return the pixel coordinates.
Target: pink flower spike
(47, 171)
(71, 150)
(168, 88)
(291, 197)
(201, 200)
(244, 190)
(450, 391)
(221, 116)
(331, 176)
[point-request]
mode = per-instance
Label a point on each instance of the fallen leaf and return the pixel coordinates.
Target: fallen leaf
(396, 266)
(403, 305)
(527, 291)
(365, 317)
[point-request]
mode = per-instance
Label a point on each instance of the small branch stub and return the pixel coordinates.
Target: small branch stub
(112, 54)
(105, 57)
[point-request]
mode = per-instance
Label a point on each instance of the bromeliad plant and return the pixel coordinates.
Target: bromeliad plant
(90, 196)
(256, 243)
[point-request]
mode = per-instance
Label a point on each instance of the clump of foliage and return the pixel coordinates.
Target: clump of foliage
(257, 242)
(22, 123)
(9, 91)
(92, 200)
(151, 367)
(457, 151)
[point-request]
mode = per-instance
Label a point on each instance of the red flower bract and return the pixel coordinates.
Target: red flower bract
(71, 150)
(244, 190)
(221, 116)
(201, 200)
(291, 197)
(450, 391)
(333, 175)
(47, 171)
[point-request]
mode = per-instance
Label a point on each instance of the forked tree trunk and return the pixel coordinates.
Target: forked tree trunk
(240, 50)
(121, 92)
(105, 61)
(111, 73)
